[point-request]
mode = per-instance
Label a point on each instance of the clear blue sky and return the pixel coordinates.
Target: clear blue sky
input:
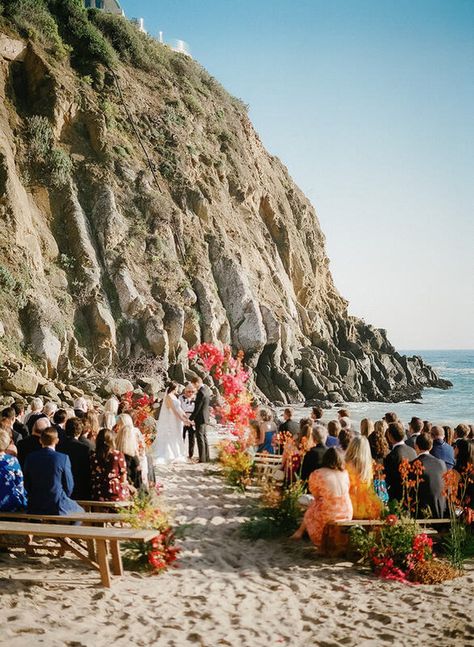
(370, 104)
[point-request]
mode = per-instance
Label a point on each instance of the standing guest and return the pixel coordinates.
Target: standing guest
(330, 487)
(48, 478)
(464, 453)
(365, 502)
(201, 417)
(12, 491)
(415, 427)
(49, 410)
(36, 408)
(19, 426)
(80, 407)
(109, 416)
(59, 423)
(461, 431)
(79, 455)
(317, 415)
(471, 432)
(266, 431)
(8, 421)
(448, 434)
(90, 428)
(334, 429)
(366, 427)
(345, 437)
(346, 423)
(289, 424)
(187, 400)
(126, 442)
(5, 426)
(390, 417)
(378, 443)
(32, 442)
(399, 452)
(342, 413)
(431, 499)
(313, 459)
(440, 448)
(108, 470)
(305, 437)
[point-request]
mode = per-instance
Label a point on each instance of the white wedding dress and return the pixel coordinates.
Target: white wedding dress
(168, 446)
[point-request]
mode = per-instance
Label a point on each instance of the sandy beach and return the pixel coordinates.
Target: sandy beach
(227, 591)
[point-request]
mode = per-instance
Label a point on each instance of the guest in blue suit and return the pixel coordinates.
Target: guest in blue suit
(48, 478)
(441, 449)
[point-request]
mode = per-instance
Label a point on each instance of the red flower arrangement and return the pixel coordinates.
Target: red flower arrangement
(141, 410)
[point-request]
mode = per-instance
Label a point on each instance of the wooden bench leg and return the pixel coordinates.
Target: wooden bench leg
(117, 567)
(103, 562)
(91, 549)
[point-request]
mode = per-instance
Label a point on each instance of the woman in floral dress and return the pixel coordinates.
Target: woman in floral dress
(109, 470)
(365, 502)
(12, 491)
(330, 487)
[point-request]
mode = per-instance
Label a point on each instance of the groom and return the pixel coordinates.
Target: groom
(200, 416)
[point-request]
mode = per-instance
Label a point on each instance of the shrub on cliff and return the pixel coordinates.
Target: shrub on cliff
(33, 20)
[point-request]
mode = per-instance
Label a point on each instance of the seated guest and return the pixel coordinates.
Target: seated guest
(48, 478)
(342, 413)
(346, 424)
(431, 499)
(334, 429)
(305, 436)
(59, 423)
(345, 437)
(109, 470)
(90, 428)
(18, 425)
(366, 427)
(7, 423)
(36, 412)
(448, 434)
(426, 427)
(80, 407)
(32, 442)
(440, 448)
(288, 423)
(79, 455)
(12, 491)
(266, 430)
(378, 443)
(330, 487)
(415, 427)
(317, 416)
(390, 416)
(313, 459)
(109, 416)
(461, 431)
(126, 442)
(49, 410)
(399, 452)
(365, 502)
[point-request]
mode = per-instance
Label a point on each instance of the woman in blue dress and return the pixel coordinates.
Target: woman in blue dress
(12, 491)
(266, 432)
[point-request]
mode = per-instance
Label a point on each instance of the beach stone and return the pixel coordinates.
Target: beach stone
(22, 382)
(51, 391)
(118, 386)
(151, 385)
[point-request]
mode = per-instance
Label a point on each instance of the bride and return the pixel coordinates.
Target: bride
(168, 445)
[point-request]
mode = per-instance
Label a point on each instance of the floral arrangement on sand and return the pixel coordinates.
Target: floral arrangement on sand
(148, 511)
(234, 410)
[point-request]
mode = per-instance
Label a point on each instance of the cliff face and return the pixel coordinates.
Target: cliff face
(141, 215)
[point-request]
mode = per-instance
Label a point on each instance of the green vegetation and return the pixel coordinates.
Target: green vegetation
(51, 161)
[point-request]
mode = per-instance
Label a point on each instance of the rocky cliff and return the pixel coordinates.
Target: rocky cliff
(141, 215)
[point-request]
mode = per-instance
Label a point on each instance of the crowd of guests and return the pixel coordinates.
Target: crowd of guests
(353, 472)
(50, 457)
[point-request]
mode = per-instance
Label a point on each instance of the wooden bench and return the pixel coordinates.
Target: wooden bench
(336, 536)
(87, 518)
(100, 506)
(106, 540)
(266, 466)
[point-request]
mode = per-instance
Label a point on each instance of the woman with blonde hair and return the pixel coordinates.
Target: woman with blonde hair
(365, 502)
(90, 426)
(366, 427)
(126, 442)
(266, 431)
(109, 416)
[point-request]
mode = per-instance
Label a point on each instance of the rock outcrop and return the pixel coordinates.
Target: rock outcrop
(110, 255)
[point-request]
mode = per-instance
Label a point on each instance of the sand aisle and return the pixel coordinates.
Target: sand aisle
(227, 592)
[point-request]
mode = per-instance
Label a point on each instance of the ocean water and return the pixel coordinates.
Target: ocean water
(441, 407)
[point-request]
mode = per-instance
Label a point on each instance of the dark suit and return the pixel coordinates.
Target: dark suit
(26, 446)
(313, 460)
(32, 419)
(201, 416)
(20, 428)
(291, 426)
(411, 440)
(392, 475)
(79, 455)
(430, 491)
(49, 483)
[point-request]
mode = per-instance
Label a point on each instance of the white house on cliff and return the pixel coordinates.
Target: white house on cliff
(111, 6)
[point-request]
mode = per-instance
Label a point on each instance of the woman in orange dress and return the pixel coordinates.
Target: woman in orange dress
(365, 502)
(330, 487)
